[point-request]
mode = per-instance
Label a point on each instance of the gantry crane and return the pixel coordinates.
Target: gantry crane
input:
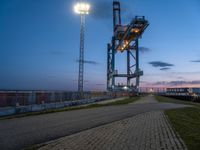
(125, 39)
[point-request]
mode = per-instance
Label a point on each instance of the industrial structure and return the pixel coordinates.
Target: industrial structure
(125, 39)
(83, 9)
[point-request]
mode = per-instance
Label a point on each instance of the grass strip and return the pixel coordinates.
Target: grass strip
(185, 121)
(173, 100)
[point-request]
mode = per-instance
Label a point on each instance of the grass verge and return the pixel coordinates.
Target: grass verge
(186, 121)
(173, 100)
(90, 106)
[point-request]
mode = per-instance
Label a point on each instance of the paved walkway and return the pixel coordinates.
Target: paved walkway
(147, 100)
(18, 133)
(147, 131)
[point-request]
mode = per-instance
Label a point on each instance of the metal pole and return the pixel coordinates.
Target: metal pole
(113, 62)
(108, 66)
(137, 65)
(81, 57)
(128, 68)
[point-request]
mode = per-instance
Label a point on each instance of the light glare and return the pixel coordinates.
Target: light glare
(82, 8)
(125, 88)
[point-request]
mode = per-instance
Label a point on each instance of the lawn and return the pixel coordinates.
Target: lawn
(173, 100)
(186, 122)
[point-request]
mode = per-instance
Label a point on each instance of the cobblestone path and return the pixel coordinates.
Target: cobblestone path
(148, 131)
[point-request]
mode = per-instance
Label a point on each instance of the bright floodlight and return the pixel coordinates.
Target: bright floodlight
(125, 88)
(82, 8)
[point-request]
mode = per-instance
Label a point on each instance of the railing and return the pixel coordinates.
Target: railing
(24, 98)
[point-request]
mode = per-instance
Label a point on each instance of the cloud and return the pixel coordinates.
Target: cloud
(175, 83)
(144, 49)
(144, 82)
(174, 73)
(85, 81)
(89, 62)
(101, 9)
(160, 64)
(180, 78)
(100, 84)
(196, 61)
(165, 68)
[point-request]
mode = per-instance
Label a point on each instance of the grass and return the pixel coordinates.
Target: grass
(90, 106)
(119, 102)
(173, 100)
(33, 147)
(186, 121)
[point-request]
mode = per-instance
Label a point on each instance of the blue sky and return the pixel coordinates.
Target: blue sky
(39, 43)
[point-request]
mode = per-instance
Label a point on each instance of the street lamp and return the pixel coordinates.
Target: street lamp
(125, 88)
(83, 9)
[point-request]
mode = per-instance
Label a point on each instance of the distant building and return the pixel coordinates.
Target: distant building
(183, 91)
(152, 89)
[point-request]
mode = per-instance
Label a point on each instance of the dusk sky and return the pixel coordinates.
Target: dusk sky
(39, 43)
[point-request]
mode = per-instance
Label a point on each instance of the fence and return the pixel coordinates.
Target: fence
(23, 98)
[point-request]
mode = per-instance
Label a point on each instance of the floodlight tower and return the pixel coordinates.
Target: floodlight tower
(83, 9)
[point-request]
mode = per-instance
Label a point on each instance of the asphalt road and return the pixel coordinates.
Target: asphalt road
(19, 133)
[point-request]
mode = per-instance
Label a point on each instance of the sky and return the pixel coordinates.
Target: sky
(39, 43)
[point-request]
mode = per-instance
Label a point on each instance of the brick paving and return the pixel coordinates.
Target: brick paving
(147, 131)
(146, 99)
